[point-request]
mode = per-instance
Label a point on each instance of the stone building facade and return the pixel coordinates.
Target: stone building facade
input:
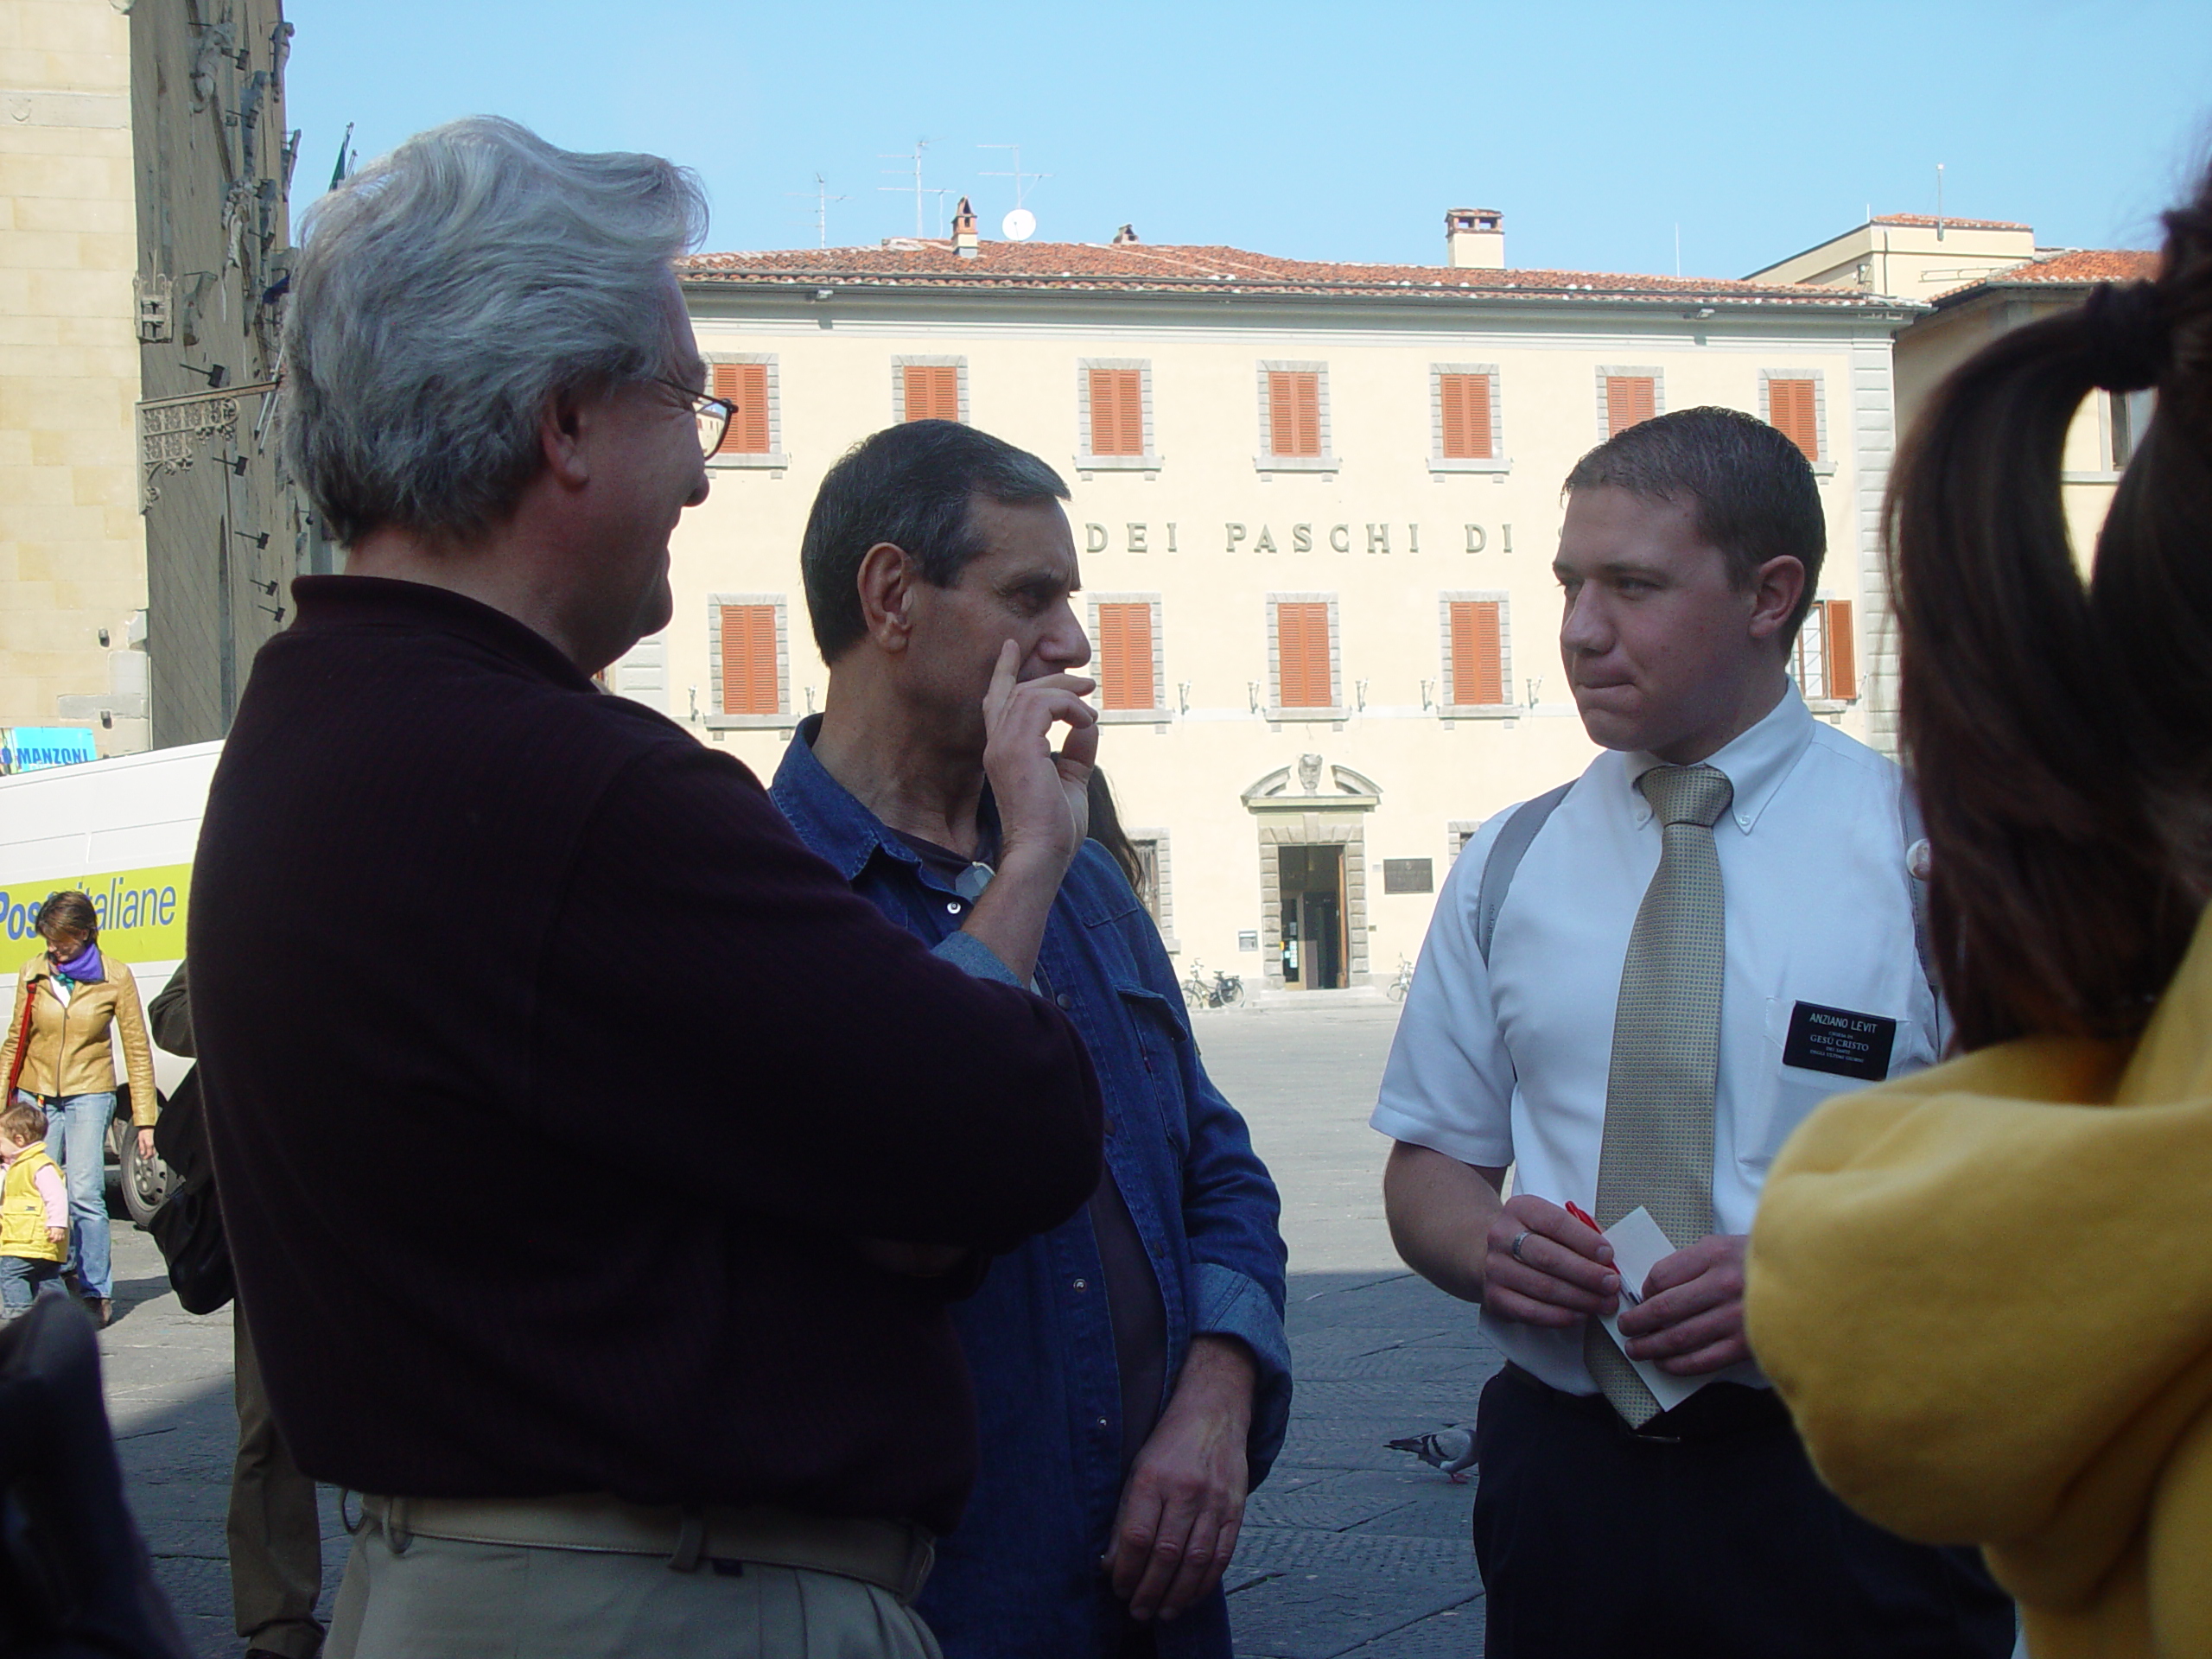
(73, 548)
(145, 540)
(1316, 506)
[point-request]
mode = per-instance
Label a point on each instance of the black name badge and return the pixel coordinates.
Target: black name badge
(1838, 1041)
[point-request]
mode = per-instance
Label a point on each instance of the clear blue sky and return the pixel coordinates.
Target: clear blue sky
(1334, 131)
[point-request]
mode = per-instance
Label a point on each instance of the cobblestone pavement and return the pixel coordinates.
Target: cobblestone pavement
(1349, 1550)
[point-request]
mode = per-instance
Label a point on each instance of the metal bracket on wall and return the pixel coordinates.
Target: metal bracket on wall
(172, 431)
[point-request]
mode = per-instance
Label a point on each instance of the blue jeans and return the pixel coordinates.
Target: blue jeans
(21, 1279)
(76, 1139)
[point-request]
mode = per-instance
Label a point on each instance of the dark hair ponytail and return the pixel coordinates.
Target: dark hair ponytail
(2058, 731)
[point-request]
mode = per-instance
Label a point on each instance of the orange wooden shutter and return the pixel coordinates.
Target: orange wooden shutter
(1293, 412)
(1842, 648)
(1795, 413)
(932, 391)
(1630, 398)
(1302, 655)
(746, 386)
(1466, 416)
(1125, 656)
(749, 679)
(1478, 652)
(1116, 412)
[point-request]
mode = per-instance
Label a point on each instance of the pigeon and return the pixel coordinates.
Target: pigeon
(1451, 1450)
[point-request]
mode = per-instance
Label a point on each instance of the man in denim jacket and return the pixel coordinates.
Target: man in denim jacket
(1131, 1374)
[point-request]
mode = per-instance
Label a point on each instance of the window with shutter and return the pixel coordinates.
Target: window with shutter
(1478, 652)
(746, 386)
(1808, 655)
(750, 685)
(1125, 678)
(1825, 660)
(1630, 400)
(1467, 404)
(1842, 649)
(1293, 412)
(932, 391)
(1302, 655)
(1147, 881)
(1116, 411)
(1793, 407)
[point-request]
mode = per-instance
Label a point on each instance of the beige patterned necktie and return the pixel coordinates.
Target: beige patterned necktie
(1657, 1147)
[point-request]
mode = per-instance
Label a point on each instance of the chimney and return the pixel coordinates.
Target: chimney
(1126, 234)
(964, 231)
(1474, 239)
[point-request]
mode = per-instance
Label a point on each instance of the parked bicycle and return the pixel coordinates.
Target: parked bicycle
(1401, 983)
(1226, 991)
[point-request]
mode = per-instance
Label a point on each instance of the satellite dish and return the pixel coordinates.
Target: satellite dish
(1018, 226)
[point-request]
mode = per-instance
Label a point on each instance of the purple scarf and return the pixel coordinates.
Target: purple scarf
(83, 968)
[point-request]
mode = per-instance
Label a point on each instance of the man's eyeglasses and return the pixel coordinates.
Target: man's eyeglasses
(715, 414)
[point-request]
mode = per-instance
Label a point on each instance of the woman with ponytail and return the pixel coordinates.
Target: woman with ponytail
(1986, 1291)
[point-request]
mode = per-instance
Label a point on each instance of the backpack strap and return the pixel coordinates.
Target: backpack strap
(1915, 834)
(1504, 858)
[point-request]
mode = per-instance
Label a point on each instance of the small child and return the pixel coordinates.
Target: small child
(34, 1210)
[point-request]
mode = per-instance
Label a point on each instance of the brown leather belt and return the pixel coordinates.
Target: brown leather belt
(894, 1555)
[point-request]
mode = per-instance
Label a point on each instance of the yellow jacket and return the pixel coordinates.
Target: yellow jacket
(69, 1049)
(1986, 1291)
(22, 1211)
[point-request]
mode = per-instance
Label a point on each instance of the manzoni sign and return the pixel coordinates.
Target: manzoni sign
(141, 911)
(33, 749)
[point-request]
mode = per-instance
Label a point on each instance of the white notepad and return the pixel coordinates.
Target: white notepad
(1639, 1246)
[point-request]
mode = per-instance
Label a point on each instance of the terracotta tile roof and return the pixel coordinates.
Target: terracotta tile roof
(1930, 222)
(1147, 267)
(2087, 265)
(2075, 268)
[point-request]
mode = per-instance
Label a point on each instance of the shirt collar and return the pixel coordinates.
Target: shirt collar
(1755, 761)
(341, 601)
(828, 817)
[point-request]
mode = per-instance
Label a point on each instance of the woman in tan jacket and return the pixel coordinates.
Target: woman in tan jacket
(71, 999)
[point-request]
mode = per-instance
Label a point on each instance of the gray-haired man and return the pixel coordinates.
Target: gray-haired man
(456, 916)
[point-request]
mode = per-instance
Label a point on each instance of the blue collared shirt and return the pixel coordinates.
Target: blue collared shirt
(1020, 1575)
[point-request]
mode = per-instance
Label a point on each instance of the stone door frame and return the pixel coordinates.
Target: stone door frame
(1313, 815)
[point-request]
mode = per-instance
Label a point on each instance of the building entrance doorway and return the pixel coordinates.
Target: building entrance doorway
(1312, 887)
(1310, 882)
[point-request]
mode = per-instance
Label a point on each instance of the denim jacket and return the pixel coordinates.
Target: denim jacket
(1019, 1576)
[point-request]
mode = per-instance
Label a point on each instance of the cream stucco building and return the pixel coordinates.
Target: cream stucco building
(1961, 322)
(1316, 505)
(1981, 279)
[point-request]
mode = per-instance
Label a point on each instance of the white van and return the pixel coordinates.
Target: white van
(123, 831)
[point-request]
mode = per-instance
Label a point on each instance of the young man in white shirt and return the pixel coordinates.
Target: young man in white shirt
(1709, 932)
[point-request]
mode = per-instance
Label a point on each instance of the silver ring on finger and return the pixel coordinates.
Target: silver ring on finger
(1519, 1239)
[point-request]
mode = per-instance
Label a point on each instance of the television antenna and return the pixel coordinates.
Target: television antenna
(920, 144)
(1020, 225)
(821, 201)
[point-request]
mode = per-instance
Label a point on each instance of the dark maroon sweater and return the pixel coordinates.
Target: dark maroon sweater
(549, 1077)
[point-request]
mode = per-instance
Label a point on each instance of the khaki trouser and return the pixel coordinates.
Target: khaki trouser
(410, 1594)
(273, 1530)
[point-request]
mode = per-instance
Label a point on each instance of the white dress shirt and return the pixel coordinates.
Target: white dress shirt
(1507, 1064)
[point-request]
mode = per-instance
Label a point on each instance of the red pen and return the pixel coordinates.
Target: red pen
(1591, 1222)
